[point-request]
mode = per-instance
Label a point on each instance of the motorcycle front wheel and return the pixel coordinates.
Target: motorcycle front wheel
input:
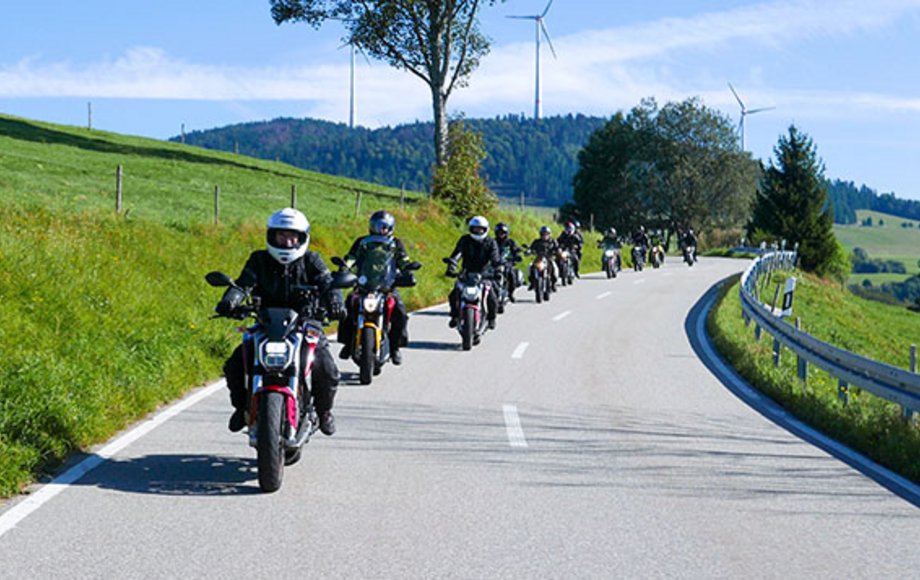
(270, 447)
(469, 326)
(368, 354)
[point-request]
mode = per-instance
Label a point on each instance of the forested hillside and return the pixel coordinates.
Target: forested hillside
(847, 198)
(536, 158)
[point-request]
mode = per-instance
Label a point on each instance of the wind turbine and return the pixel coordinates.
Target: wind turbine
(539, 26)
(351, 76)
(745, 112)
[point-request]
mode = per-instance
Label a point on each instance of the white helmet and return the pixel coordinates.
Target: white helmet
(479, 228)
(290, 220)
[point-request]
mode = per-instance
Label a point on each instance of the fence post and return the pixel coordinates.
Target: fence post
(293, 196)
(118, 177)
(216, 204)
(357, 203)
(402, 196)
(802, 363)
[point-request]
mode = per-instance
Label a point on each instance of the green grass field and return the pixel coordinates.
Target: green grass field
(107, 317)
(887, 242)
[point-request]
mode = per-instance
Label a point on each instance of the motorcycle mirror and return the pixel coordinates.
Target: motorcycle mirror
(413, 266)
(344, 279)
(218, 279)
(338, 261)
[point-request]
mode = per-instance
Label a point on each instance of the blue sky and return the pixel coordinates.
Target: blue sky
(844, 72)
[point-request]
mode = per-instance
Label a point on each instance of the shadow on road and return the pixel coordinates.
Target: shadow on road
(432, 345)
(176, 474)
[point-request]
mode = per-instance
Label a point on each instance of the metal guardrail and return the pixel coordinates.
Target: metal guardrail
(889, 382)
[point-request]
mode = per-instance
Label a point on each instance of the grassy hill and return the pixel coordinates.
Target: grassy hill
(889, 242)
(105, 316)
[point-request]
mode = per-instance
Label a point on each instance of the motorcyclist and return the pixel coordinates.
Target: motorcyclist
(610, 241)
(656, 245)
(689, 240)
(509, 253)
(271, 274)
(547, 247)
(479, 254)
(380, 228)
(571, 240)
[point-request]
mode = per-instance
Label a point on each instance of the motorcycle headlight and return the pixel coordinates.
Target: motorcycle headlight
(608, 253)
(371, 301)
(276, 356)
(471, 292)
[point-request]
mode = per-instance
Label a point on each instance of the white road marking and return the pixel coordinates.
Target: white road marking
(513, 427)
(21, 510)
(603, 295)
(559, 317)
(519, 351)
(669, 273)
(639, 281)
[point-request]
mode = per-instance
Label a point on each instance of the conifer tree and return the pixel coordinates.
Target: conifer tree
(793, 204)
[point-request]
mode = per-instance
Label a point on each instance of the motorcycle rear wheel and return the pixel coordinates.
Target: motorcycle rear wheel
(368, 341)
(270, 447)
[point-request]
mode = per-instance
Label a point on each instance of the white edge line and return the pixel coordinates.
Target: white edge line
(20, 511)
(519, 351)
(513, 426)
(639, 281)
(559, 317)
(604, 295)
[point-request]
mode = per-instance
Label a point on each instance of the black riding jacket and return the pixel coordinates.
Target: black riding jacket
(273, 282)
(543, 247)
(480, 257)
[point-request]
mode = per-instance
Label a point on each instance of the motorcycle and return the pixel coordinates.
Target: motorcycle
(474, 291)
(690, 255)
(540, 276)
(278, 354)
(656, 256)
(610, 262)
(638, 258)
(372, 302)
(566, 266)
(511, 279)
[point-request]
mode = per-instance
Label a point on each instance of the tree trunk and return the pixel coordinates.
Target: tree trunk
(439, 104)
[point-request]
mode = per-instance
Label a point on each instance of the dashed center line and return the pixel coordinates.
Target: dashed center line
(519, 351)
(603, 295)
(639, 281)
(559, 317)
(513, 427)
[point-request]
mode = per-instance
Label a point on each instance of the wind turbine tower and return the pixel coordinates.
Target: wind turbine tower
(745, 112)
(539, 27)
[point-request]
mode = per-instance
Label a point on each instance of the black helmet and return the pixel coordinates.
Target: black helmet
(611, 232)
(545, 232)
(502, 230)
(382, 223)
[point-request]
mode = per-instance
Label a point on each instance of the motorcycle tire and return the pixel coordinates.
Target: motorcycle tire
(368, 346)
(269, 446)
(469, 328)
(538, 290)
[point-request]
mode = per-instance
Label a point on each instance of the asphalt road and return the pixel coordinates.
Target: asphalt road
(583, 438)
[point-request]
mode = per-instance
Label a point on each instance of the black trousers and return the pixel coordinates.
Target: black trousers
(323, 384)
(399, 322)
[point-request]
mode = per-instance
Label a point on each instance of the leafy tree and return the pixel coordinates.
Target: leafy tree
(792, 205)
(458, 181)
(674, 167)
(437, 41)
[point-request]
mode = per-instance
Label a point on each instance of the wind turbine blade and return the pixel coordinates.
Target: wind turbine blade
(752, 111)
(546, 35)
(524, 17)
(545, 10)
(737, 98)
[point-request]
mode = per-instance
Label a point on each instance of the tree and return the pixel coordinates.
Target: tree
(793, 205)
(674, 167)
(437, 41)
(458, 181)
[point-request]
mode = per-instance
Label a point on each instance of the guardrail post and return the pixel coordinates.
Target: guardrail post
(757, 331)
(802, 364)
(777, 349)
(907, 412)
(843, 392)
